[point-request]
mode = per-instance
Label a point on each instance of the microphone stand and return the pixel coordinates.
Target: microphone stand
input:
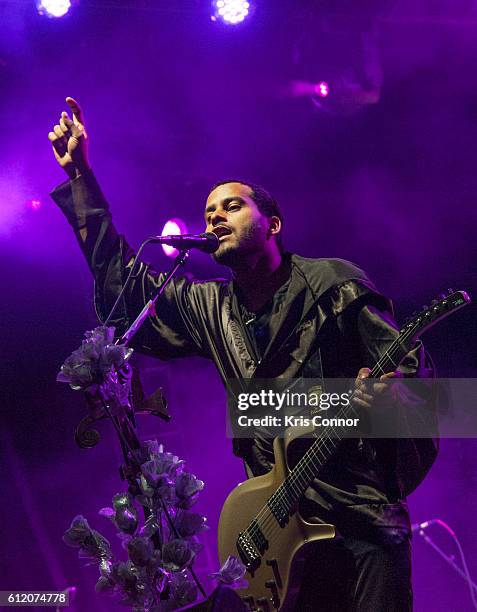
(125, 427)
(123, 417)
(130, 464)
(149, 308)
(450, 559)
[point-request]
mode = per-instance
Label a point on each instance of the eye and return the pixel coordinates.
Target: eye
(233, 206)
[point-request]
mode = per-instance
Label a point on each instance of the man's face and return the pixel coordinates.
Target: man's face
(231, 213)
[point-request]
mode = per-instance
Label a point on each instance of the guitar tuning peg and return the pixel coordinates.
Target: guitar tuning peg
(434, 302)
(414, 314)
(450, 291)
(425, 307)
(441, 296)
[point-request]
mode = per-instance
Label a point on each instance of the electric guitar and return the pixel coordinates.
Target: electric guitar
(259, 522)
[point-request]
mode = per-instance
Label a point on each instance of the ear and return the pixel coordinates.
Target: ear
(274, 226)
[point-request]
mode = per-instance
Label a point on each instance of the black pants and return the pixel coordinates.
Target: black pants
(352, 575)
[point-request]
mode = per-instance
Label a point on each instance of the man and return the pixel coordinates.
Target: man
(281, 316)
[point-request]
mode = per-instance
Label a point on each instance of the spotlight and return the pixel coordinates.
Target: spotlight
(231, 12)
(345, 98)
(173, 227)
(34, 204)
(53, 8)
(322, 89)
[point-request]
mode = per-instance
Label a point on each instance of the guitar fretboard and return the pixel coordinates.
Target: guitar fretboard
(283, 501)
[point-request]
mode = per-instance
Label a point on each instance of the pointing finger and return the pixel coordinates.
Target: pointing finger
(75, 109)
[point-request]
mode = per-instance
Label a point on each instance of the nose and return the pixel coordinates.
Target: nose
(217, 217)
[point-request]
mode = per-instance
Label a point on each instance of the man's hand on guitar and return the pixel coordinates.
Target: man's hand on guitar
(368, 394)
(70, 141)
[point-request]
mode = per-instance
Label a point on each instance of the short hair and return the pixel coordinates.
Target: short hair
(264, 200)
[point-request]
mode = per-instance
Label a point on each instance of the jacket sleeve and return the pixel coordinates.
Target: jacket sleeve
(175, 331)
(367, 317)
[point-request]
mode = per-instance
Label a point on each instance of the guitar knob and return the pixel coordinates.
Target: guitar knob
(263, 604)
(250, 602)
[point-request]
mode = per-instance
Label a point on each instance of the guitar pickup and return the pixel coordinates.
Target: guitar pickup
(263, 605)
(257, 536)
(248, 553)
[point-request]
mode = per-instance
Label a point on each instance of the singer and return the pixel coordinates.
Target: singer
(281, 315)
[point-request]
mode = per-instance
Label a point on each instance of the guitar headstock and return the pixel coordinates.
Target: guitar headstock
(440, 308)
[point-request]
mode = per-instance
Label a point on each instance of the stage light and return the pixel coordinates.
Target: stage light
(173, 227)
(34, 204)
(322, 89)
(53, 8)
(230, 12)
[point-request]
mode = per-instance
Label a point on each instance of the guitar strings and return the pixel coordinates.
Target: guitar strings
(293, 479)
(317, 447)
(282, 494)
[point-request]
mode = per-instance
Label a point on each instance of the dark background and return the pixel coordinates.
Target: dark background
(382, 174)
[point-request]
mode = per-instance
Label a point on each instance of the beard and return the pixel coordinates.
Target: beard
(233, 254)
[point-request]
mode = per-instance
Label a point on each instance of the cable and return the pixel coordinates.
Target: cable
(128, 280)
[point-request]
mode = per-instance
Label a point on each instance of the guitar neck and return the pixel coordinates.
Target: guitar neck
(283, 501)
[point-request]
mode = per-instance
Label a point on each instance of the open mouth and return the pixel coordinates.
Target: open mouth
(220, 231)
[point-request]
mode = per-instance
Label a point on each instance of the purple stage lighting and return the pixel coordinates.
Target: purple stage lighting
(322, 89)
(34, 204)
(230, 12)
(173, 227)
(53, 8)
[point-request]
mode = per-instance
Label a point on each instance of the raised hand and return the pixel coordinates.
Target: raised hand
(70, 141)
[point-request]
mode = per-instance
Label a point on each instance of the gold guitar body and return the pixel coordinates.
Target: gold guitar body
(274, 585)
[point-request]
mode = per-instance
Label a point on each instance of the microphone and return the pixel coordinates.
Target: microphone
(208, 242)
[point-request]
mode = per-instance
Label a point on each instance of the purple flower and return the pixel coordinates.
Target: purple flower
(123, 514)
(124, 574)
(184, 589)
(97, 354)
(231, 573)
(78, 532)
(161, 469)
(155, 498)
(126, 514)
(176, 555)
(147, 451)
(189, 524)
(104, 585)
(140, 550)
(187, 488)
(92, 545)
(150, 527)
